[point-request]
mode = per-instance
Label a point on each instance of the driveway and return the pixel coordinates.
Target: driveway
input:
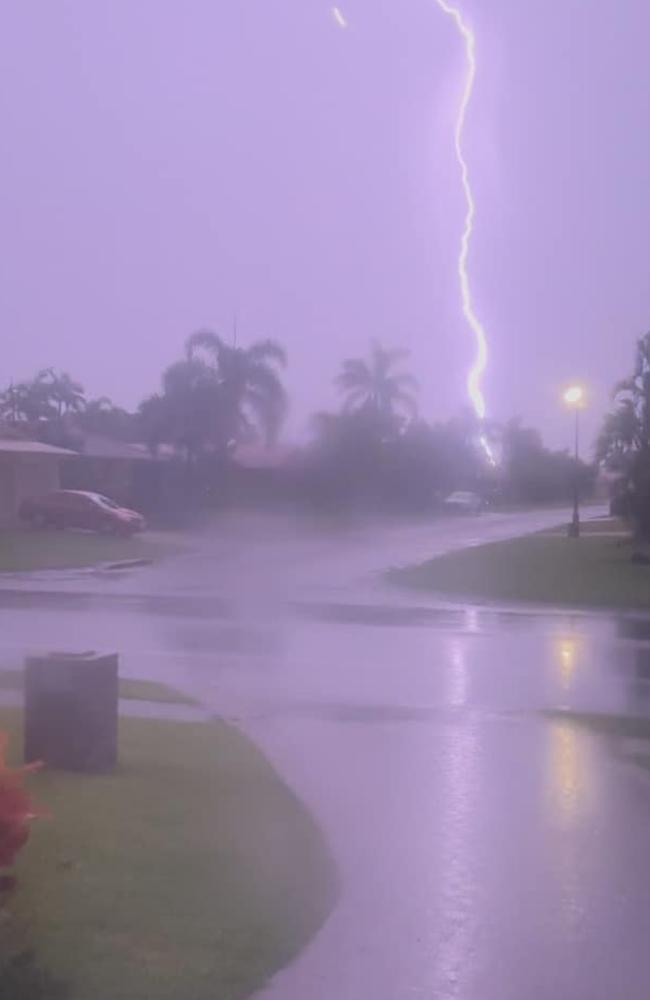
(487, 851)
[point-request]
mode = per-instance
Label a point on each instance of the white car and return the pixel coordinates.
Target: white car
(464, 502)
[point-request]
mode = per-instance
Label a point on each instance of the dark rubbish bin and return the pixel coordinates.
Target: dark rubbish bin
(71, 711)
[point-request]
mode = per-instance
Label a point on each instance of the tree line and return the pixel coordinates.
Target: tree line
(623, 445)
(374, 448)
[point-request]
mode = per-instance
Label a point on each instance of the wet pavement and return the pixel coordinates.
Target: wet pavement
(488, 849)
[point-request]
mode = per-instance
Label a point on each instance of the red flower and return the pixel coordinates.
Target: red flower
(16, 808)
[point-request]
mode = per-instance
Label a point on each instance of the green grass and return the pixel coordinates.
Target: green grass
(588, 572)
(191, 872)
(137, 690)
(516, 506)
(596, 526)
(130, 690)
(22, 550)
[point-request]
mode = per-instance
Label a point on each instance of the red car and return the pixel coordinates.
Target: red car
(77, 509)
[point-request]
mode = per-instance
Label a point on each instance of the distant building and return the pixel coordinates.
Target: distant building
(102, 465)
(259, 456)
(27, 468)
(264, 474)
(128, 473)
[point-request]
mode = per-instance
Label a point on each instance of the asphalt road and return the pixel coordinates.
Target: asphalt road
(487, 851)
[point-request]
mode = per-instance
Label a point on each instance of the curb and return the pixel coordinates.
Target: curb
(125, 564)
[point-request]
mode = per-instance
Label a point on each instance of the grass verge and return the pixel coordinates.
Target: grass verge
(592, 571)
(130, 690)
(23, 550)
(614, 526)
(191, 872)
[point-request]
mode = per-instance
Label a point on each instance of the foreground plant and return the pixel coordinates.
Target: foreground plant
(21, 975)
(16, 811)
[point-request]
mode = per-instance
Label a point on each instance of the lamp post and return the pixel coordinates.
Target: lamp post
(574, 397)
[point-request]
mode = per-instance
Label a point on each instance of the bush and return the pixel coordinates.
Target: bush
(16, 809)
(21, 977)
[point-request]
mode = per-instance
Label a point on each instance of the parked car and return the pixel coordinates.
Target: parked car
(464, 502)
(78, 509)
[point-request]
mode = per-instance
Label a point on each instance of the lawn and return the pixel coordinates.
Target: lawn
(594, 571)
(596, 526)
(22, 550)
(191, 872)
(130, 690)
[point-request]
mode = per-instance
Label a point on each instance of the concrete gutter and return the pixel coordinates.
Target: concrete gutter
(123, 564)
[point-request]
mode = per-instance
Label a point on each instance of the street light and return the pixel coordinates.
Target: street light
(574, 397)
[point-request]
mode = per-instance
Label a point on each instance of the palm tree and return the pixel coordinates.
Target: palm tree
(66, 395)
(252, 397)
(12, 403)
(26, 402)
(374, 386)
(619, 437)
(186, 413)
(624, 442)
(153, 418)
(626, 430)
(100, 405)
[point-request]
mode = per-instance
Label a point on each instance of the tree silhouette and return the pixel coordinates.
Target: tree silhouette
(252, 398)
(62, 392)
(374, 385)
(624, 442)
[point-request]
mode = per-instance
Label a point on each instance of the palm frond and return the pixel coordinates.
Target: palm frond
(269, 414)
(355, 375)
(203, 340)
(405, 402)
(402, 382)
(260, 378)
(267, 350)
(354, 399)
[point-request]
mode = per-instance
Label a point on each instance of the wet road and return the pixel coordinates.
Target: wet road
(487, 851)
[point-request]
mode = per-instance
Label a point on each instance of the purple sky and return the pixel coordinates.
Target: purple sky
(166, 163)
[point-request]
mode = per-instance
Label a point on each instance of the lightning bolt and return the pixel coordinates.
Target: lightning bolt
(475, 377)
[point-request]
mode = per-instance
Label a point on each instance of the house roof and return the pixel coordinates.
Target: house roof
(18, 446)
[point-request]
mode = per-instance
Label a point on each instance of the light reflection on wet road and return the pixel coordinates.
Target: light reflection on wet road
(487, 851)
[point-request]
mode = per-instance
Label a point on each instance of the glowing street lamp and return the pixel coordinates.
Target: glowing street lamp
(575, 398)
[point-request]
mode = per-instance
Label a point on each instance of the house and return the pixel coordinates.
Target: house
(102, 465)
(27, 468)
(263, 474)
(259, 457)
